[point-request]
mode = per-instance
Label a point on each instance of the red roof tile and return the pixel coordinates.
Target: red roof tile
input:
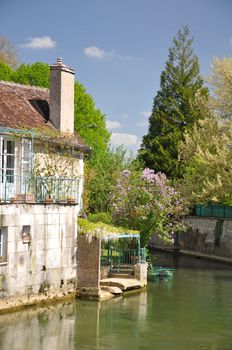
(23, 106)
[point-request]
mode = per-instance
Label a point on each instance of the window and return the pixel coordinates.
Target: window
(3, 244)
(7, 160)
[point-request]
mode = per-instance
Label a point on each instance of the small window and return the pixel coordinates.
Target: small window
(3, 244)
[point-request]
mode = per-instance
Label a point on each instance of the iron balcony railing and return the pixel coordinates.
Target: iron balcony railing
(28, 188)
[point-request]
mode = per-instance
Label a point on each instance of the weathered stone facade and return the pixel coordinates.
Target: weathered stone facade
(46, 261)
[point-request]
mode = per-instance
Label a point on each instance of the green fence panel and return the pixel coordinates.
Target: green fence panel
(214, 210)
(198, 210)
(206, 211)
(218, 211)
(228, 211)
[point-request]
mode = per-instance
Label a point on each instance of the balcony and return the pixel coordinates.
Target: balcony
(38, 189)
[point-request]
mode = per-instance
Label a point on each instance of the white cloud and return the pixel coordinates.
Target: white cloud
(124, 139)
(94, 52)
(145, 114)
(97, 53)
(43, 42)
(113, 125)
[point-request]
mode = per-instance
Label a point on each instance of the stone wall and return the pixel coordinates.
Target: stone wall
(88, 266)
(48, 261)
(208, 235)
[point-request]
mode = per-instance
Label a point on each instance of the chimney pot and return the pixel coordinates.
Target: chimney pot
(59, 60)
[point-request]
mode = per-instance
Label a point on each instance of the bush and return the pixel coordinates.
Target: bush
(146, 202)
(100, 217)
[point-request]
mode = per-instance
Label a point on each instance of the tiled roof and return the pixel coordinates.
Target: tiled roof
(23, 106)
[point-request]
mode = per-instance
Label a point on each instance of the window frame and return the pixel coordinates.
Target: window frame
(4, 169)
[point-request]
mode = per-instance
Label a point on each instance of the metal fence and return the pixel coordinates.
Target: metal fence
(38, 189)
(120, 259)
(214, 210)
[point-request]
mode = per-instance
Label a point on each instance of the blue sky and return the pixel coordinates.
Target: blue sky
(117, 47)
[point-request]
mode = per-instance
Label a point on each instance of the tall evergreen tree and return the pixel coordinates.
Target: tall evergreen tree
(179, 103)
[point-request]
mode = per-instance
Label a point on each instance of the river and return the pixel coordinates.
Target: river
(193, 311)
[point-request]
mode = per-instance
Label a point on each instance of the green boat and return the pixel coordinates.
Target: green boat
(160, 274)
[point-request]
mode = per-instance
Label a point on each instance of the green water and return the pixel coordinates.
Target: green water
(193, 311)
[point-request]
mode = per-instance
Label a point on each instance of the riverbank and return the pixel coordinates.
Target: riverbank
(108, 291)
(17, 303)
(194, 254)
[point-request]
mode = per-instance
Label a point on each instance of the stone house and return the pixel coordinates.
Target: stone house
(41, 180)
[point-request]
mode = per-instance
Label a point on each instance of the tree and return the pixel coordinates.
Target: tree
(90, 124)
(179, 103)
(8, 54)
(220, 81)
(36, 74)
(6, 72)
(145, 201)
(102, 178)
(206, 155)
(206, 151)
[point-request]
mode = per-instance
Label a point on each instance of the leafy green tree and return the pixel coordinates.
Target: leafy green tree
(220, 80)
(6, 72)
(36, 74)
(179, 103)
(99, 168)
(206, 154)
(206, 151)
(103, 178)
(90, 124)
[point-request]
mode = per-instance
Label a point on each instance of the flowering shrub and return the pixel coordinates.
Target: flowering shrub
(146, 202)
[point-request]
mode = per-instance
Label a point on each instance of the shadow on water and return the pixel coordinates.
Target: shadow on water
(192, 311)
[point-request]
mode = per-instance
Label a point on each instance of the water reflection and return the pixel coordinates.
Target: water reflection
(43, 328)
(193, 311)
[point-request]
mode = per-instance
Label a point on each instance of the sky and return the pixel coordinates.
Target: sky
(118, 48)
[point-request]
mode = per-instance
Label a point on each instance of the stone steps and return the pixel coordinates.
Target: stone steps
(111, 289)
(121, 275)
(124, 284)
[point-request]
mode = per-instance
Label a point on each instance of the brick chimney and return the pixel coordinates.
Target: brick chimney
(62, 96)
